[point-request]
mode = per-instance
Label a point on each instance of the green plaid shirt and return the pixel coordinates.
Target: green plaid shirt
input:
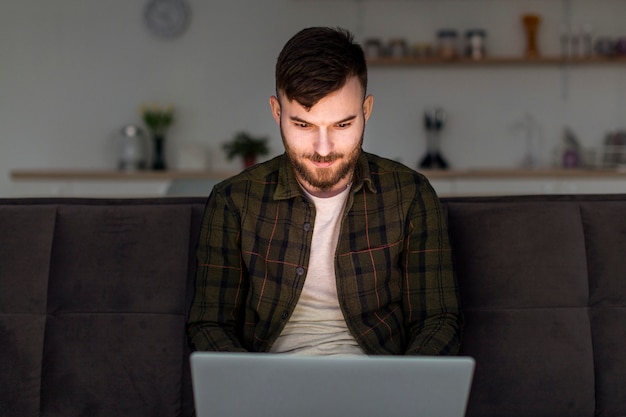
(395, 279)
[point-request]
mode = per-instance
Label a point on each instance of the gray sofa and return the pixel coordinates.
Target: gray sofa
(94, 296)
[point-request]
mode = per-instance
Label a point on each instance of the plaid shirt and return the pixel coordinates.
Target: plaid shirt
(395, 278)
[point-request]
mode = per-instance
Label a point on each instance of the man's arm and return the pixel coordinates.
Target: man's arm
(432, 310)
(221, 281)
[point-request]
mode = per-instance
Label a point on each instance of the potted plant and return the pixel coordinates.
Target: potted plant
(158, 120)
(247, 146)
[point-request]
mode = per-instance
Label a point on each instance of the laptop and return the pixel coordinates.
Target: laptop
(279, 385)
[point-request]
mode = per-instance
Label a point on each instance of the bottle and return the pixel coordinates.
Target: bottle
(564, 40)
(586, 47)
(475, 44)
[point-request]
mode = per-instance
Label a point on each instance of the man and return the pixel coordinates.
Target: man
(325, 249)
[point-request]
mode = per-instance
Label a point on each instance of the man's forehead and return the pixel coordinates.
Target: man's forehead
(350, 82)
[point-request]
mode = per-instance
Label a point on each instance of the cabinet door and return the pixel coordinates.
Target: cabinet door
(75, 188)
(504, 186)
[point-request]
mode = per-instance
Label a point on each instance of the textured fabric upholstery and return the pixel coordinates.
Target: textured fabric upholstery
(523, 272)
(94, 295)
(93, 302)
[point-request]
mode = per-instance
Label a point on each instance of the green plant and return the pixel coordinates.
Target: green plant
(246, 146)
(158, 119)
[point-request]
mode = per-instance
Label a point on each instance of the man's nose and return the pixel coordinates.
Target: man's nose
(324, 143)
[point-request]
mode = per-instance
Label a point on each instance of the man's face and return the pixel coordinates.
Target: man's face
(324, 142)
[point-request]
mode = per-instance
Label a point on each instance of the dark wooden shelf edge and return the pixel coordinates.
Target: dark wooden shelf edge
(493, 61)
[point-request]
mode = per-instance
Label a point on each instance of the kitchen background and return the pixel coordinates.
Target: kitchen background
(73, 72)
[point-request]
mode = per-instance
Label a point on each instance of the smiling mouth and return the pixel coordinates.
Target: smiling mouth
(324, 161)
(323, 164)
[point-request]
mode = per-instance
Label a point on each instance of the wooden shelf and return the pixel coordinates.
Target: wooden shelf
(493, 61)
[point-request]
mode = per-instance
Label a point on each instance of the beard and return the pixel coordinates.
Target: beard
(323, 179)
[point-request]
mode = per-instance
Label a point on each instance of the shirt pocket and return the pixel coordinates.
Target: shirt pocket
(375, 277)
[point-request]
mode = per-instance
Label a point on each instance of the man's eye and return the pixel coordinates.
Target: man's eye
(343, 125)
(302, 125)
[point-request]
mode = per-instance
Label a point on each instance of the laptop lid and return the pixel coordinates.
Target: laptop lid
(275, 385)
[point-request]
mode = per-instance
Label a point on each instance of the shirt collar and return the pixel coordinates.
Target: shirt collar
(288, 186)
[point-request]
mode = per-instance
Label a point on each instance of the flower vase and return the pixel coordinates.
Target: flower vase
(158, 160)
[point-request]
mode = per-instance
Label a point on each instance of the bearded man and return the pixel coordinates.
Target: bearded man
(325, 249)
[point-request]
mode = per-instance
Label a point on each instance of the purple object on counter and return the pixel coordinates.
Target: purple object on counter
(571, 159)
(620, 46)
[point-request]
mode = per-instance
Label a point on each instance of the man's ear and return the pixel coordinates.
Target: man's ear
(368, 105)
(275, 107)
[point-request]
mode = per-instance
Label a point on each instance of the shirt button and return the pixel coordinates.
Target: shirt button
(306, 227)
(300, 271)
(284, 315)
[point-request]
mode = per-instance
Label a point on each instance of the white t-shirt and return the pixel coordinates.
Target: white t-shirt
(317, 325)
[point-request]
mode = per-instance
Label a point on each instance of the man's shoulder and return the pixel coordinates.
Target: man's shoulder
(398, 182)
(264, 174)
(382, 167)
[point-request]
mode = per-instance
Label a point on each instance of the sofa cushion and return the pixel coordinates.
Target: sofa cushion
(605, 230)
(120, 259)
(527, 323)
(113, 364)
(117, 312)
(93, 304)
(25, 248)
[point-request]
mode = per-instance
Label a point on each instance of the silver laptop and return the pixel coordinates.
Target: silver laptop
(275, 385)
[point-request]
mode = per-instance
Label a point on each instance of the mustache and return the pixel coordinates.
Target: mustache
(315, 157)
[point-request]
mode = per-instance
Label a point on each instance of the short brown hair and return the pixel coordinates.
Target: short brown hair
(318, 61)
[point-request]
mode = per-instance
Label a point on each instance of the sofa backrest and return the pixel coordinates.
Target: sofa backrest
(94, 296)
(543, 283)
(93, 302)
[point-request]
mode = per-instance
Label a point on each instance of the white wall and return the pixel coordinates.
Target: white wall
(72, 72)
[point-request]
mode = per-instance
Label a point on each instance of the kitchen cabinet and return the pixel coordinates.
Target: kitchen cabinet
(106, 183)
(493, 182)
(500, 186)
(447, 183)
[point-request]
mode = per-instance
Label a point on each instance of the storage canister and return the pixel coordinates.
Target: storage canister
(475, 43)
(447, 43)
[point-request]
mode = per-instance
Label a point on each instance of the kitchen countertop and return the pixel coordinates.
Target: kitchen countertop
(113, 175)
(501, 173)
(470, 173)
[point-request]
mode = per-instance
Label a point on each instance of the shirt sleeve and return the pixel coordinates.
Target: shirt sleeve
(221, 285)
(431, 293)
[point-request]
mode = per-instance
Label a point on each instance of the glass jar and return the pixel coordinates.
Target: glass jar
(475, 44)
(373, 48)
(447, 43)
(132, 149)
(397, 48)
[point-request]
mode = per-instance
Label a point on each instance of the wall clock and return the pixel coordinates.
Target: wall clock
(167, 18)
